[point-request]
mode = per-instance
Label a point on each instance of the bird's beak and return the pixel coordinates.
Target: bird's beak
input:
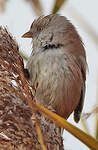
(27, 35)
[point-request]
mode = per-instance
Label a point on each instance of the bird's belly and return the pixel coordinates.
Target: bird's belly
(57, 85)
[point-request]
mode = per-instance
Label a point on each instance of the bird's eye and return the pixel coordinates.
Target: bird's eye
(39, 28)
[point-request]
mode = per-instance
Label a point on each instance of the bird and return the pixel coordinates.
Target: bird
(57, 65)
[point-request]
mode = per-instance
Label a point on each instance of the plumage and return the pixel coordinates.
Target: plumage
(58, 65)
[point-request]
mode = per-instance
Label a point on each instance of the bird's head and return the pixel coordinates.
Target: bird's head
(48, 30)
(54, 31)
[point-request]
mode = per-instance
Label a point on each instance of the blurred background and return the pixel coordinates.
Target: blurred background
(18, 15)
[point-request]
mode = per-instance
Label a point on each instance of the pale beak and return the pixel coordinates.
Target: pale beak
(27, 35)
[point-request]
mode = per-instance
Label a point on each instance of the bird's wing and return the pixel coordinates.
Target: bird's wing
(78, 110)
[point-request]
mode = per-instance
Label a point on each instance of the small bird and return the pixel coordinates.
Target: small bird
(57, 65)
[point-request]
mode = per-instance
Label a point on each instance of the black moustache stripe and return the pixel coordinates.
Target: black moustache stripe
(52, 46)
